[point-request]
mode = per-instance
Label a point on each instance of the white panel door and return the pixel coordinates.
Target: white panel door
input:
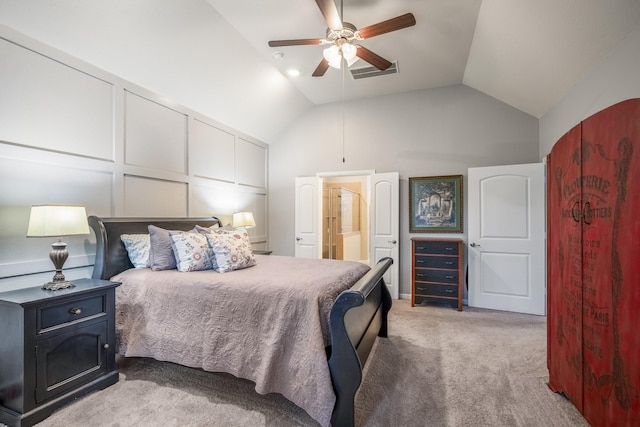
(384, 218)
(507, 238)
(308, 217)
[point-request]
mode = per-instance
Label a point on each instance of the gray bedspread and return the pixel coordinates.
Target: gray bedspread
(267, 323)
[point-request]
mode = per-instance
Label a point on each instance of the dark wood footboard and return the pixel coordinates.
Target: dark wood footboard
(357, 317)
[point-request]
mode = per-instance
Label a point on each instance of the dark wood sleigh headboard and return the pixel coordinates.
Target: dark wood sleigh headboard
(111, 255)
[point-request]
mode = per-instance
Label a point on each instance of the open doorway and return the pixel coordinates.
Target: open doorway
(345, 218)
(380, 221)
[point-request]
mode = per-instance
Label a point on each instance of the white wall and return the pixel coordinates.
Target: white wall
(428, 133)
(145, 42)
(615, 79)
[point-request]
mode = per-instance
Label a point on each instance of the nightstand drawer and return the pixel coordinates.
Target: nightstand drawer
(443, 276)
(70, 311)
(431, 261)
(437, 290)
(439, 248)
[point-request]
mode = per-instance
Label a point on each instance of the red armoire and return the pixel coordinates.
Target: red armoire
(593, 270)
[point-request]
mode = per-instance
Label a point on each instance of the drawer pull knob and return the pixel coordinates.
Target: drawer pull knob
(448, 249)
(449, 262)
(420, 261)
(75, 311)
(106, 346)
(449, 291)
(449, 277)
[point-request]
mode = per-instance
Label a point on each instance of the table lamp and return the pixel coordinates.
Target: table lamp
(57, 221)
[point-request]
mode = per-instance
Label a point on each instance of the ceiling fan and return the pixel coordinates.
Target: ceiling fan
(342, 36)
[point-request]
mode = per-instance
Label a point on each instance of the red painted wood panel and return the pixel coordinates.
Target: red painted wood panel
(594, 264)
(611, 255)
(564, 267)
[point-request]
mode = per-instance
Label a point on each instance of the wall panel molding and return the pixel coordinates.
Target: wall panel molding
(74, 133)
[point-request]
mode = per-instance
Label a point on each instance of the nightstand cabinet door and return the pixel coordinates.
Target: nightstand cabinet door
(55, 346)
(437, 271)
(65, 361)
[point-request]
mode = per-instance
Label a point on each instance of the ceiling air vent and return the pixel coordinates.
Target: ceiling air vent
(366, 72)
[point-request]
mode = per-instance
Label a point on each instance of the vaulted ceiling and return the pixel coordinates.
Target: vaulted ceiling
(526, 53)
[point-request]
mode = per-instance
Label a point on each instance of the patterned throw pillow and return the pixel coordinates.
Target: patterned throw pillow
(191, 250)
(137, 246)
(231, 250)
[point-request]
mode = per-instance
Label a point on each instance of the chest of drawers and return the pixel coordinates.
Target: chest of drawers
(54, 347)
(436, 270)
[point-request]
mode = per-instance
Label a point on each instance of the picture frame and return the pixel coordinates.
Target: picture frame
(435, 204)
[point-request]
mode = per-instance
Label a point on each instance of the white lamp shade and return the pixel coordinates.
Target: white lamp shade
(57, 221)
(243, 219)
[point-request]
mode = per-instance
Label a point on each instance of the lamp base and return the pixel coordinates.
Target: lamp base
(55, 286)
(58, 256)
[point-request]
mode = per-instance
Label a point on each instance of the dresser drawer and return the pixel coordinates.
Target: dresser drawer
(437, 290)
(440, 248)
(443, 276)
(60, 314)
(432, 261)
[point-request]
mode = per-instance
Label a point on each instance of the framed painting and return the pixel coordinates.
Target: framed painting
(435, 204)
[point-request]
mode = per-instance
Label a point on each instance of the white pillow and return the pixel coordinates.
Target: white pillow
(191, 250)
(231, 250)
(137, 246)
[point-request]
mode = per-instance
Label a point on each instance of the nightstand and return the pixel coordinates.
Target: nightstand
(55, 346)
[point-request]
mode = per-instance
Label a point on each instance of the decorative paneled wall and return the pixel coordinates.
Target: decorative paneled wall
(74, 134)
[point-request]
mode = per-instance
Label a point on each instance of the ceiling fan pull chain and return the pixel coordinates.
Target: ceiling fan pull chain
(343, 71)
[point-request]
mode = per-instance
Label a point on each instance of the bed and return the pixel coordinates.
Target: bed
(311, 349)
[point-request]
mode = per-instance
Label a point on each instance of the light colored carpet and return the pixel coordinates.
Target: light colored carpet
(439, 367)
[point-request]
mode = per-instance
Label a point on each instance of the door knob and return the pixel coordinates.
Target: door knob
(298, 239)
(473, 245)
(393, 242)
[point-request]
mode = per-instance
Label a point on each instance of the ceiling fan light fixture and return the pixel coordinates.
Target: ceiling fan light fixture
(333, 56)
(349, 51)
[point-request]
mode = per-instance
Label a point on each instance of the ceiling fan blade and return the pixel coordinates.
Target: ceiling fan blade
(296, 42)
(322, 68)
(393, 24)
(330, 13)
(374, 59)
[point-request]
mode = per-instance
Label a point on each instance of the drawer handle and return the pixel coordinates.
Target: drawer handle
(448, 249)
(449, 262)
(75, 311)
(449, 277)
(449, 291)
(421, 247)
(420, 261)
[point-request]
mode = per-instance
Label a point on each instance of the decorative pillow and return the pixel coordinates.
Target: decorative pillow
(191, 250)
(231, 250)
(161, 255)
(137, 246)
